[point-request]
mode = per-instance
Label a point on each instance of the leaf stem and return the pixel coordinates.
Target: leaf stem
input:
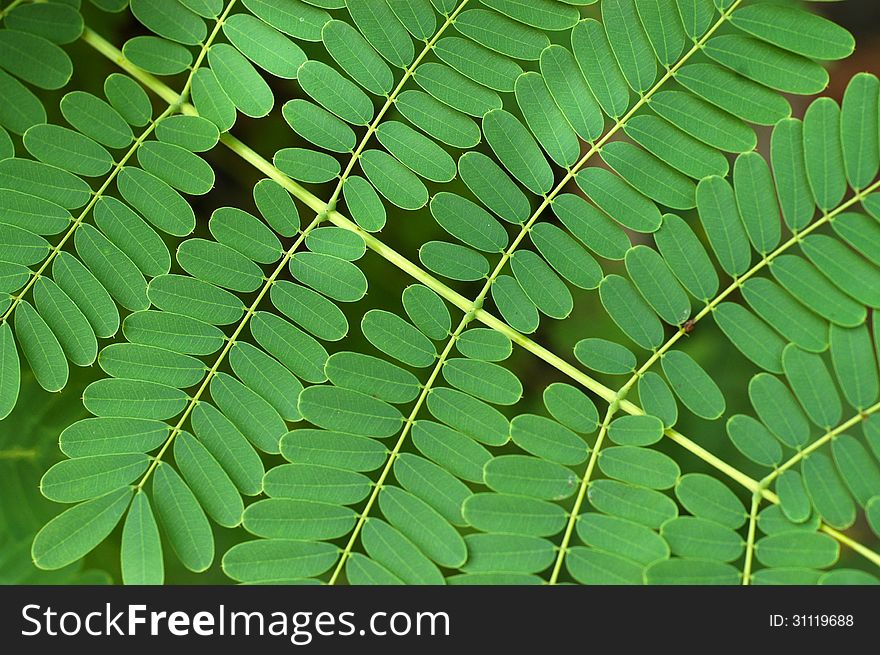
(750, 540)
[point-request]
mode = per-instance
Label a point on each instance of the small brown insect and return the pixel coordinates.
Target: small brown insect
(689, 325)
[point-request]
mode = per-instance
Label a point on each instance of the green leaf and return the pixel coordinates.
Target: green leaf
(263, 45)
(455, 452)
(319, 126)
(44, 181)
(571, 407)
(364, 203)
(490, 382)
(318, 483)
(491, 512)
(797, 549)
(33, 214)
(480, 64)
(542, 14)
(645, 506)
(177, 166)
(600, 68)
(427, 311)
(771, 520)
(813, 386)
(754, 440)
(303, 520)
(432, 484)
(87, 293)
(655, 281)
(424, 526)
(437, 119)
(593, 228)
(172, 331)
(23, 110)
(689, 536)
(397, 338)
(211, 101)
(629, 43)
(593, 567)
(272, 381)
(468, 222)
(40, 348)
(182, 519)
(156, 201)
(630, 312)
(517, 150)
(858, 470)
(67, 149)
(779, 411)
(750, 335)
(112, 268)
(619, 200)
(141, 550)
(630, 540)
(398, 555)
(207, 479)
(636, 430)
(823, 153)
(268, 560)
(566, 256)
(229, 447)
(502, 34)
(10, 376)
(188, 296)
(545, 120)
(691, 572)
(756, 201)
(217, 264)
(417, 17)
(240, 81)
(112, 436)
(569, 89)
(128, 98)
(372, 376)
(310, 309)
(66, 321)
(335, 93)
(605, 356)
(157, 56)
(796, 30)
(663, 26)
(548, 440)
(650, 175)
(708, 498)
(859, 231)
(542, 286)
(83, 478)
(139, 362)
(686, 257)
(529, 476)
(346, 410)
(767, 64)
(790, 172)
(718, 213)
(736, 95)
(704, 121)
(847, 270)
(394, 180)
(34, 59)
(298, 19)
(859, 127)
(494, 188)
(471, 416)
(830, 498)
(171, 20)
(356, 57)
(133, 398)
(785, 314)
(515, 306)
(57, 22)
(507, 552)
(676, 147)
(640, 466)
(306, 165)
(455, 90)
(345, 451)
(254, 417)
(383, 30)
(131, 234)
(76, 531)
(656, 398)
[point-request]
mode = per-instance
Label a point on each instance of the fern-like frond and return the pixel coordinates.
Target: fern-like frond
(543, 146)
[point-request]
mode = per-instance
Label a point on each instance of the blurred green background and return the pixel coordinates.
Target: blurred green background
(28, 437)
